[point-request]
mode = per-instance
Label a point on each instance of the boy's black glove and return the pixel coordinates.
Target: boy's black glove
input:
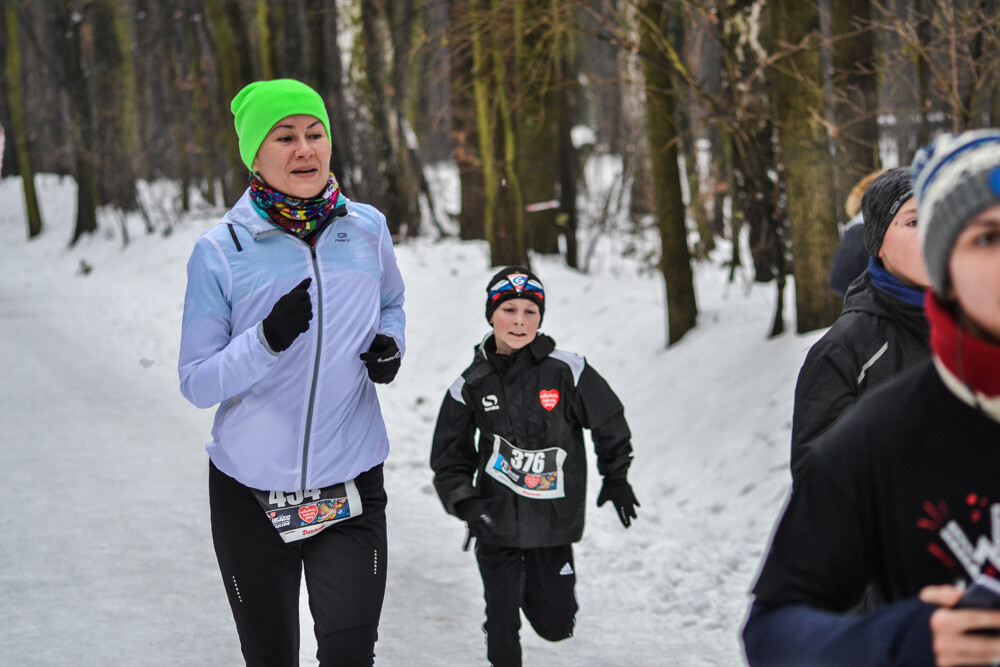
(382, 359)
(619, 492)
(289, 317)
(478, 513)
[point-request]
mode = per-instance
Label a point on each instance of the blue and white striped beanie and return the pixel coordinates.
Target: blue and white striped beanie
(956, 178)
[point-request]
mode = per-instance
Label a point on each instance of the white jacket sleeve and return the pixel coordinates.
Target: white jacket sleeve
(392, 320)
(215, 362)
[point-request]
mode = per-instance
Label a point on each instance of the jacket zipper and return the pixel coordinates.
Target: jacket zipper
(315, 379)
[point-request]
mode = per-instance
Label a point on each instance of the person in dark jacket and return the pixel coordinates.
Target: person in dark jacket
(521, 485)
(851, 259)
(882, 328)
(904, 491)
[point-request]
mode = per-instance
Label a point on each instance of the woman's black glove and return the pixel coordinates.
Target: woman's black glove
(619, 492)
(289, 317)
(382, 359)
(478, 513)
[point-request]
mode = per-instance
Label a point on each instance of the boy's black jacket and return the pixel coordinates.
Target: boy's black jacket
(873, 340)
(502, 396)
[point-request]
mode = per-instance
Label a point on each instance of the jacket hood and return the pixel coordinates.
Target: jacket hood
(862, 296)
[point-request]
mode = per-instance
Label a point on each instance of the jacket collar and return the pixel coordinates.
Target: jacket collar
(483, 365)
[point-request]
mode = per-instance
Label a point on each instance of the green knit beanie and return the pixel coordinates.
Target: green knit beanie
(263, 103)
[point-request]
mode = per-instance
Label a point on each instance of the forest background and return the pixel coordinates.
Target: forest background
(742, 120)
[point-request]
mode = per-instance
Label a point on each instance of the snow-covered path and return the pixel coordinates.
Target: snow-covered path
(103, 556)
(105, 548)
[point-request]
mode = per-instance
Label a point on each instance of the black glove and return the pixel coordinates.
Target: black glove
(619, 492)
(289, 317)
(478, 513)
(382, 359)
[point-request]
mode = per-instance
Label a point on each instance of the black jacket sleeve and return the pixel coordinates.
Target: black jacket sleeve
(454, 457)
(824, 551)
(898, 634)
(825, 389)
(598, 408)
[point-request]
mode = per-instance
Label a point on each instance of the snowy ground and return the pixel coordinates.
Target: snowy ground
(105, 550)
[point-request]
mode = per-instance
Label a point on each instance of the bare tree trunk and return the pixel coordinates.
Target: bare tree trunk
(508, 245)
(599, 56)
(128, 105)
(691, 34)
(569, 167)
(923, 73)
(798, 86)
(74, 80)
(261, 40)
(18, 130)
(696, 201)
(404, 20)
(232, 60)
(682, 310)
(464, 130)
(204, 122)
(394, 207)
(108, 61)
(536, 50)
(746, 142)
(292, 37)
(503, 211)
(178, 105)
(327, 75)
(855, 104)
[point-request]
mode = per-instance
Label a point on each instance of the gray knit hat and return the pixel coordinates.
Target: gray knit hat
(957, 177)
(880, 203)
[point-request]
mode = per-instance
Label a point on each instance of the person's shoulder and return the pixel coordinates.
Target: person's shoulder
(855, 229)
(889, 412)
(212, 235)
(477, 369)
(547, 354)
(460, 382)
(857, 326)
(884, 430)
(365, 215)
(917, 383)
(213, 240)
(839, 340)
(574, 363)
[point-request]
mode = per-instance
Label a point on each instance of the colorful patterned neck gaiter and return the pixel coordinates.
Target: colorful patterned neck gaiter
(297, 216)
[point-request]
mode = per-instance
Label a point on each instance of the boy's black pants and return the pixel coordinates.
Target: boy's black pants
(345, 571)
(541, 581)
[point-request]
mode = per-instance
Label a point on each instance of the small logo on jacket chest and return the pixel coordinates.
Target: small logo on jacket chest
(490, 403)
(549, 398)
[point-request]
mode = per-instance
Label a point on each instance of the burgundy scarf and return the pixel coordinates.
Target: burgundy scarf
(969, 366)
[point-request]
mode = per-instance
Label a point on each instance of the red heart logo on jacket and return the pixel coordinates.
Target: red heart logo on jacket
(549, 398)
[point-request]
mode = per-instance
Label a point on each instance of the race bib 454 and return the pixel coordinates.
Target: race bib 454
(303, 514)
(532, 473)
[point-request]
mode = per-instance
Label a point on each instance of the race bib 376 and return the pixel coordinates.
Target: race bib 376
(532, 473)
